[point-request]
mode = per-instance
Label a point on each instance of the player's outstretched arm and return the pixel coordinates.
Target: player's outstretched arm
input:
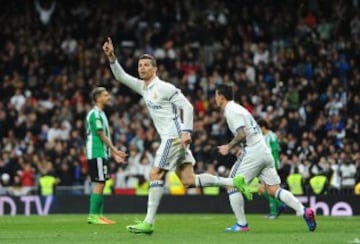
(119, 73)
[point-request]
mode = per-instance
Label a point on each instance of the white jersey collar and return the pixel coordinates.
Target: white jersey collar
(96, 107)
(152, 83)
(228, 104)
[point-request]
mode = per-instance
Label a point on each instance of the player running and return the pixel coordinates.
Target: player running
(255, 160)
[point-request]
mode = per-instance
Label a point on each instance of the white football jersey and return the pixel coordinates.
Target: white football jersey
(163, 101)
(236, 117)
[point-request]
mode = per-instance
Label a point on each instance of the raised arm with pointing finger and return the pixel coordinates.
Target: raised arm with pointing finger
(119, 73)
(162, 98)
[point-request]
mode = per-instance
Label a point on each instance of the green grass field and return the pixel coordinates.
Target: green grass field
(177, 228)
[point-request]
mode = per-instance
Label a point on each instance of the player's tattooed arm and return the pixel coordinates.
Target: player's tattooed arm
(239, 137)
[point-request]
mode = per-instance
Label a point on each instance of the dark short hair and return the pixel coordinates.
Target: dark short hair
(226, 91)
(150, 57)
(263, 123)
(96, 92)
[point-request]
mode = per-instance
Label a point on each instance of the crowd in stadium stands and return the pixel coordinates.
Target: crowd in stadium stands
(295, 64)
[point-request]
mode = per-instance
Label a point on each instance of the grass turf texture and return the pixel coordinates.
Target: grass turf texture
(177, 228)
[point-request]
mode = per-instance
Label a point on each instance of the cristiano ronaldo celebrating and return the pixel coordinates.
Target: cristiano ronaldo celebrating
(164, 102)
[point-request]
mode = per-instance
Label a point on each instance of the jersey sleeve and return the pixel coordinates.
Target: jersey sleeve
(130, 81)
(95, 122)
(235, 120)
(177, 98)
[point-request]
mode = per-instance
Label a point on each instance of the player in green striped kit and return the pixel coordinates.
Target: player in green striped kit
(99, 149)
(276, 206)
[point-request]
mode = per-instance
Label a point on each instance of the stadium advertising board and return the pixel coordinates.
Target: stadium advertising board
(334, 205)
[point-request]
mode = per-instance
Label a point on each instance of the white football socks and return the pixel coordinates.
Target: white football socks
(289, 199)
(212, 180)
(237, 205)
(155, 193)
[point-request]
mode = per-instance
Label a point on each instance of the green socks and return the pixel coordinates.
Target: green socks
(96, 204)
(274, 204)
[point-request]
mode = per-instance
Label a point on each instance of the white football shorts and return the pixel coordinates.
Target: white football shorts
(256, 161)
(171, 154)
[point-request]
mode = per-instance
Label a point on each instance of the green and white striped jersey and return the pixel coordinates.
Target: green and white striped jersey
(96, 120)
(273, 142)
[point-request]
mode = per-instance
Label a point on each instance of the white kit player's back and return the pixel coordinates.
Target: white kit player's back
(237, 116)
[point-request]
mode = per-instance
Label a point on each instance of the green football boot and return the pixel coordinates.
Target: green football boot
(141, 227)
(97, 220)
(239, 183)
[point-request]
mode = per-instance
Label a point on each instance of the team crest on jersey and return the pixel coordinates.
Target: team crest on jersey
(98, 124)
(155, 96)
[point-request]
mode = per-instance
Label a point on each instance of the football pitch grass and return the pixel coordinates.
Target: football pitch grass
(177, 228)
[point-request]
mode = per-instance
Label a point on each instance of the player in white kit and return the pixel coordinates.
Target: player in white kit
(255, 160)
(164, 102)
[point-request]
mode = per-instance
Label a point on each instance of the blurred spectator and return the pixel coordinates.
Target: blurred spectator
(347, 172)
(144, 166)
(120, 178)
(54, 132)
(65, 174)
(26, 175)
(69, 46)
(355, 26)
(261, 55)
(335, 178)
(45, 14)
(305, 150)
(321, 168)
(18, 100)
(47, 183)
(5, 184)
